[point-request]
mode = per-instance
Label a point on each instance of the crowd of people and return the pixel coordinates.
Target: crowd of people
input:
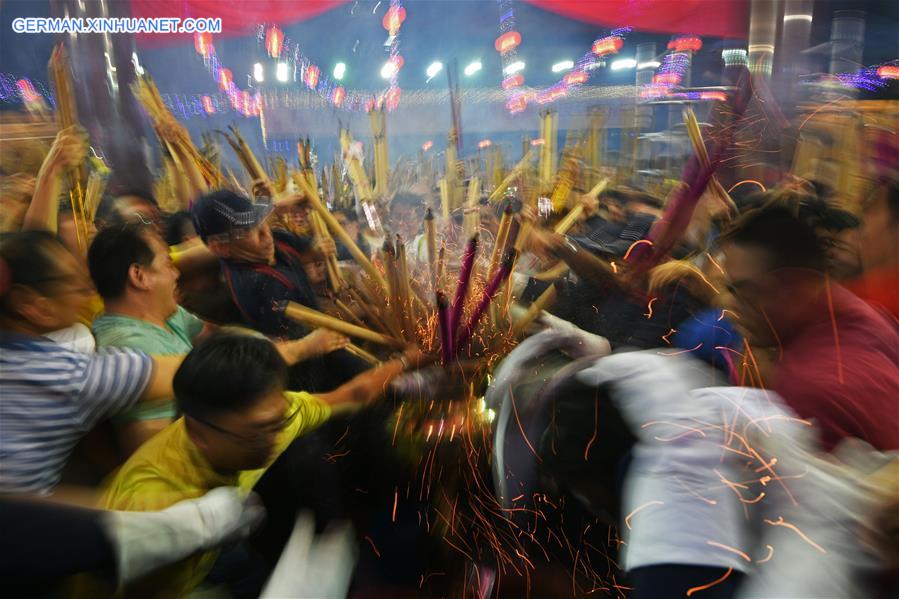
(156, 400)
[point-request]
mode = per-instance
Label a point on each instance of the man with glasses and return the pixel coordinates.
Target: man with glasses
(836, 359)
(238, 419)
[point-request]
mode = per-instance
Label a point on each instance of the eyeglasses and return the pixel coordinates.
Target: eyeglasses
(256, 437)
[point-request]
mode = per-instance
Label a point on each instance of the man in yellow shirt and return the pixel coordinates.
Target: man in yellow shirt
(237, 420)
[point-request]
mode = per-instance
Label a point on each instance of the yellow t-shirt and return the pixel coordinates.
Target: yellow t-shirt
(170, 468)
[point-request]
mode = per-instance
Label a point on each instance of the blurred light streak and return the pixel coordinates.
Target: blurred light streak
(794, 528)
(711, 584)
(731, 549)
(627, 519)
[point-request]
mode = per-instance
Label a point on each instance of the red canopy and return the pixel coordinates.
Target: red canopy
(714, 18)
(239, 17)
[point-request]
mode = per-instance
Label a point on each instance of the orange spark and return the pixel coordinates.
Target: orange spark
(709, 585)
(595, 430)
(373, 548)
(648, 315)
(635, 244)
(627, 520)
(731, 549)
(396, 498)
(769, 556)
(739, 183)
(521, 428)
(794, 528)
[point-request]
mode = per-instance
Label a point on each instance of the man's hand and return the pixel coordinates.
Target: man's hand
(317, 343)
(325, 247)
(590, 204)
(546, 243)
(68, 149)
(263, 189)
(416, 358)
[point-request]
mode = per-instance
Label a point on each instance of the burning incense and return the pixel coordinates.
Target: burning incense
(471, 248)
(431, 237)
(546, 299)
(314, 318)
(340, 232)
(446, 336)
(492, 287)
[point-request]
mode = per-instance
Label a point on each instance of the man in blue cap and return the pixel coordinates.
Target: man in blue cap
(263, 269)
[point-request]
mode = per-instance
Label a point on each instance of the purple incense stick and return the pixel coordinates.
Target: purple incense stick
(443, 324)
(492, 287)
(471, 248)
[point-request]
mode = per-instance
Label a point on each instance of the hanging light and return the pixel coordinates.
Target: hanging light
(225, 79)
(274, 41)
(338, 96)
(433, 69)
(281, 72)
(339, 71)
(258, 73)
(515, 67)
(393, 18)
(311, 76)
(507, 41)
(563, 66)
(473, 68)
(203, 43)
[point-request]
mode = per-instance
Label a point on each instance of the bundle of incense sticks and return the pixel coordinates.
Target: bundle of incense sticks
(446, 335)
(540, 304)
(695, 135)
(464, 336)
(431, 239)
(378, 121)
(67, 116)
(335, 227)
(182, 148)
(471, 249)
(245, 155)
(314, 318)
(472, 214)
(566, 178)
(513, 174)
(355, 169)
(666, 231)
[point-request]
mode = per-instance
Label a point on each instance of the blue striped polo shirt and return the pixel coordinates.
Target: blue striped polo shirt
(50, 397)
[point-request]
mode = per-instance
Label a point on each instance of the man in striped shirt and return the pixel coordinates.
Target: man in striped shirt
(49, 396)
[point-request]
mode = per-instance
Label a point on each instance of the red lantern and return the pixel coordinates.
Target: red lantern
(720, 96)
(607, 45)
(517, 104)
(225, 79)
(666, 79)
(888, 72)
(208, 106)
(575, 78)
(311, 76)
(338, 96)
(507, 41)
(512, 81)
(683, 44)
(26, 89)
(203, 43)
(274, 41)
(393, 18)
(392, 99)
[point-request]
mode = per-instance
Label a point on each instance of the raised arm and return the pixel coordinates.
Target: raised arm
(68, 151)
